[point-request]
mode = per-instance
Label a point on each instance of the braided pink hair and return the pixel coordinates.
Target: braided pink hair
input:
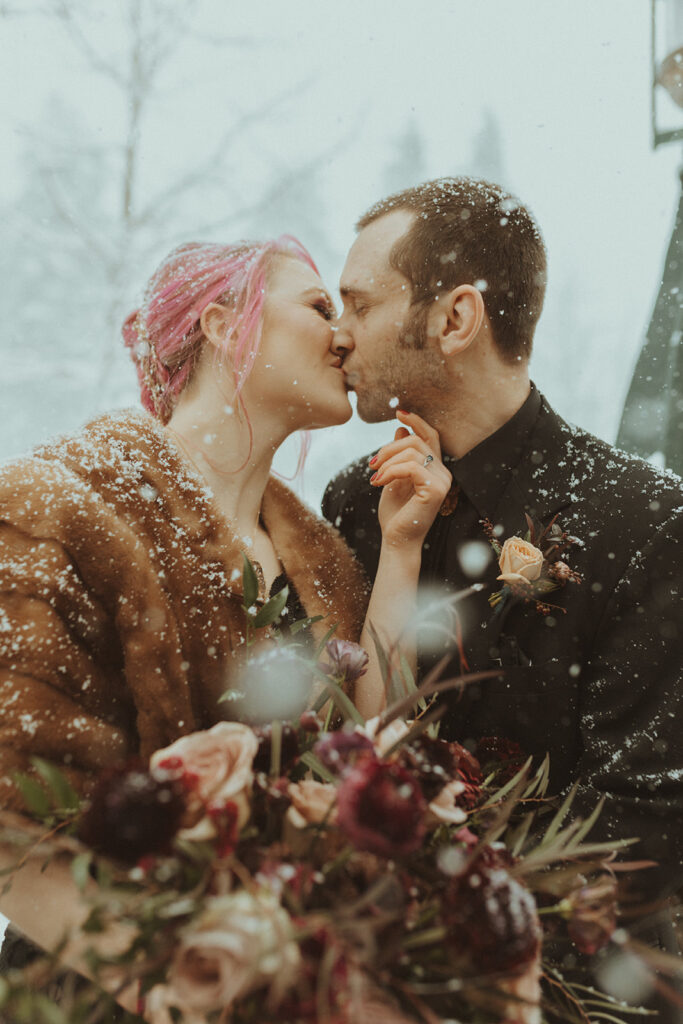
(165, 336)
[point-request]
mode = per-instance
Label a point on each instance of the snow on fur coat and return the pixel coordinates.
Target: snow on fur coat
(120, 596)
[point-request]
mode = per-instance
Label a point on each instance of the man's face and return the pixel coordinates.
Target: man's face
(378, 330)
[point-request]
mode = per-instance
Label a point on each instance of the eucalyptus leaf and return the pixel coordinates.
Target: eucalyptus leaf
(64, 795)
(272, 610)
(80, 869)
(300, 624)
(249, 582)
(37, 800)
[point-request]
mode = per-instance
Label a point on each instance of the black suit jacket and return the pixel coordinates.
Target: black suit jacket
(599, 684)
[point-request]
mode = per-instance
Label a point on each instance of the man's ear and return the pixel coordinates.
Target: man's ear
(460, 314)
(214, 322)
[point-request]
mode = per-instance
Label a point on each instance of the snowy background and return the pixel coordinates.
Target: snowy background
(129, 127)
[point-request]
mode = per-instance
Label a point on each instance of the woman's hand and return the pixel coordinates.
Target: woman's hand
(413, 491)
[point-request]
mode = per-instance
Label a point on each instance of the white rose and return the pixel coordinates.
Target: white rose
(241, 942)
(388, 736)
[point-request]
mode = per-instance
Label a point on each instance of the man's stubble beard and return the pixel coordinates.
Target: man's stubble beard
(412, 374)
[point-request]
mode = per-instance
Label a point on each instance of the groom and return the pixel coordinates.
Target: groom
(441, 292)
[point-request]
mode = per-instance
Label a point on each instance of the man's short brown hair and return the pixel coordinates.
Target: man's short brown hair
(470, 231)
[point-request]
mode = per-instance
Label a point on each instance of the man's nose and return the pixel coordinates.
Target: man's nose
(342, 342)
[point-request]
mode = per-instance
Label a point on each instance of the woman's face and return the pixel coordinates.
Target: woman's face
(296, 370)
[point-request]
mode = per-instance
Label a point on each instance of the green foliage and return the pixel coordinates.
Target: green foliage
(249, 583)
(271, 611)
(64, 796)
(51, 797)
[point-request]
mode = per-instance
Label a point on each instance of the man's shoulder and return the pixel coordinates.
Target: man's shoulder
(586, 462)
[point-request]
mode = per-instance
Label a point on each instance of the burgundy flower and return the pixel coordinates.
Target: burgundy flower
(381, 808)
(339, 750)
(131, 813)
(432, 761)
(225, 820)
(310, 722)
(492, 919)
(503, 755)
(289, 748)
(346, 661)
(593, 914)
(469, 771)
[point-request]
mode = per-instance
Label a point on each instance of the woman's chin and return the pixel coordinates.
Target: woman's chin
(332, 415)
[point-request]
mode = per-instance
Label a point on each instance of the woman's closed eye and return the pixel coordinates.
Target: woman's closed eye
(325, 309)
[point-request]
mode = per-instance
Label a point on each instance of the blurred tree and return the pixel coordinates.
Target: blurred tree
(652, 421)
(487, 156)
(92, 220)
(406, 166)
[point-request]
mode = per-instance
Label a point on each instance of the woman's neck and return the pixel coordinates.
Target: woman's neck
(234, 460)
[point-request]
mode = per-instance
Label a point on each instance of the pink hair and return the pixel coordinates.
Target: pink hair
(165, 336)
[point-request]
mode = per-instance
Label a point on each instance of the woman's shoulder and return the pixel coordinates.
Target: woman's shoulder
(78, 476)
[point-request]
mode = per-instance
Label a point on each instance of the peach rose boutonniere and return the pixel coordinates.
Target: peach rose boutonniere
(532, 566)
(520, 560)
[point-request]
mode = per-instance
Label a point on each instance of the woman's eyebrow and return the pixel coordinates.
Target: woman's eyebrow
(319, 291)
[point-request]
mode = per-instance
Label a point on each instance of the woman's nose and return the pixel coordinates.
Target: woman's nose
(342, 341)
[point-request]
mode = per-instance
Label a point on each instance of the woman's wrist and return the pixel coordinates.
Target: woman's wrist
(401, 555)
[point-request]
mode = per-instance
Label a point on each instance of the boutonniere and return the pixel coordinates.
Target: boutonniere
(532, 566)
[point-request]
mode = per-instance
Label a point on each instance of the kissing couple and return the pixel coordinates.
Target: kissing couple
(120, 596)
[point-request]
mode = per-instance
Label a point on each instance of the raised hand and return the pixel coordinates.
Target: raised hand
(414, 481)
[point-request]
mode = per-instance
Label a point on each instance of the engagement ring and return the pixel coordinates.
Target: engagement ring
(430, 458)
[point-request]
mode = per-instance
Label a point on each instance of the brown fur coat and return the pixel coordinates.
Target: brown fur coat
(120, 596)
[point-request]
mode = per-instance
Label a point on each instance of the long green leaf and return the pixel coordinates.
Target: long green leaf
(385, 668)
(300, 624)
(589, 822)
(328, 636)
(554, 826)
(342, 700)
(509, 785)
(539, 782)
(249, 582)
(275, 748)
(316, 765)
(517, 838)
(271, 610)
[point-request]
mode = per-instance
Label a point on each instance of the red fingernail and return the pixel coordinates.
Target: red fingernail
(403, 412)
(373, 477)
(373, 460)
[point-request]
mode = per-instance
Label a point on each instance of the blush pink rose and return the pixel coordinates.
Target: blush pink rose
(217, 767)
(519, 561)
(312, 802)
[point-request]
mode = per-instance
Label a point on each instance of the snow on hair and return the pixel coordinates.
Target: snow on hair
(165, 336)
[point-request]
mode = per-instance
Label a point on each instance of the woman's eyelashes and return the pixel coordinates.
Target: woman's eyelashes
(325, 309)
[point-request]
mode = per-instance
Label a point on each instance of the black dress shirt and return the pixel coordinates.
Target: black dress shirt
(596, 683)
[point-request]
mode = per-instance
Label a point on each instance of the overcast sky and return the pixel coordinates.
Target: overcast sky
(566, 80)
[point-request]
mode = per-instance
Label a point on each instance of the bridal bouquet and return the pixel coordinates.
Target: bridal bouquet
(295, 873)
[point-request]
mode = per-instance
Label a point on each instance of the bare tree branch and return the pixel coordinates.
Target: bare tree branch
(198, 174)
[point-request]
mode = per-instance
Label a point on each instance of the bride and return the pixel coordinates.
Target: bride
(121, 547)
